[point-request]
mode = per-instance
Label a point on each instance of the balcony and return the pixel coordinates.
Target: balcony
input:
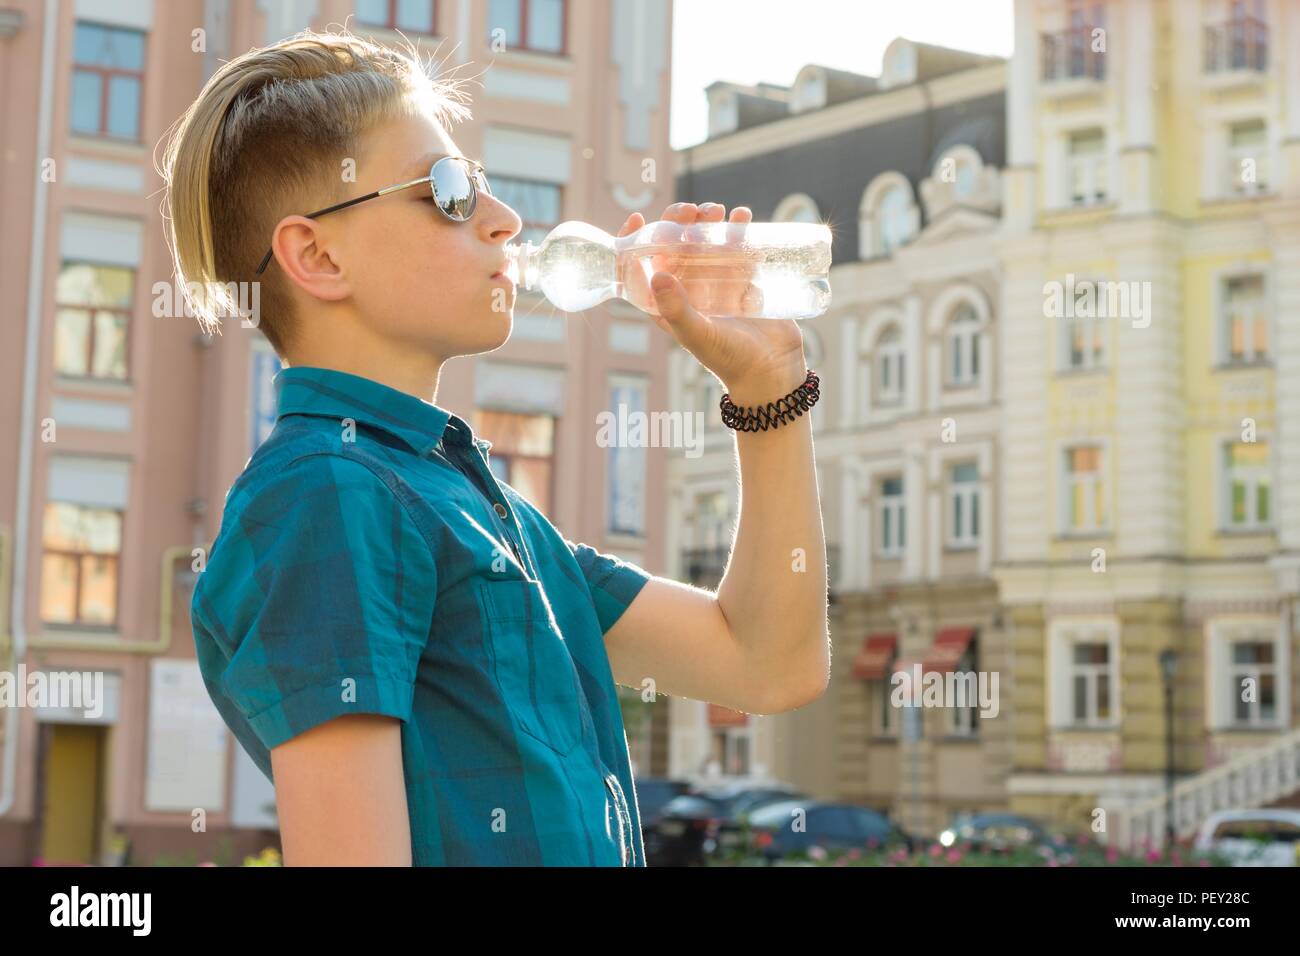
(1069, 64)
(1236, 52)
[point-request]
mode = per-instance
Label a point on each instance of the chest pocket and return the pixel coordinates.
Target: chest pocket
(531, 663)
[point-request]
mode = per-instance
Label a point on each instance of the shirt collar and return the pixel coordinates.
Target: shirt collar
(328, 392)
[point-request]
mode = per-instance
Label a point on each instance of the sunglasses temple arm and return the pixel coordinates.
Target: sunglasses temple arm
(335, 208)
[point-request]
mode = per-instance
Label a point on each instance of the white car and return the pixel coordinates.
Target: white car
(1265, 837)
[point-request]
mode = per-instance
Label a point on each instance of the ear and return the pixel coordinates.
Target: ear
(303, 251)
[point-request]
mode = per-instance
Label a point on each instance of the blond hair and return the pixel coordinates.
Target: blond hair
(267, 138)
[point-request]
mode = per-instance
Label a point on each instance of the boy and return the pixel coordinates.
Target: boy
(414, 655)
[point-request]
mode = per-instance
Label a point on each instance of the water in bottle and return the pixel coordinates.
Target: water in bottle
(756, 270)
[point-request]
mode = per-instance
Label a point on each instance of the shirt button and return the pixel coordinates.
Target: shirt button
(501, 509)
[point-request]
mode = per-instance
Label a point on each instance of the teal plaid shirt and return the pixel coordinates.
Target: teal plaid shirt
(369, 562)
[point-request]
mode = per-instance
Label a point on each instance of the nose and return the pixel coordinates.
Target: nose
(497, 222)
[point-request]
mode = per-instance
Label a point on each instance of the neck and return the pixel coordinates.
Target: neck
(394, 364)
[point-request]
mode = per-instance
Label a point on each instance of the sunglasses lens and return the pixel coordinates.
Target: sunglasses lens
(453, 189)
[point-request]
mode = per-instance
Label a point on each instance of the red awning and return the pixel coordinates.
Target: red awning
(948, 647)
(877, 650)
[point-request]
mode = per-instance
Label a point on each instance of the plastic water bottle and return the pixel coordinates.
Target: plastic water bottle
(756, 270)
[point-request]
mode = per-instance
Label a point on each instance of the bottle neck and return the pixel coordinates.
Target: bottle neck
(523, 264)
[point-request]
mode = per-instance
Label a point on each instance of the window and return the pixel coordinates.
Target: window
(890, 367)
(92, 316)
(107, 79)
(1085, 499)
(886, 712)
(963, 347)
(1070, 54)
(1240, 43)
(415, 16)
(797, 208)
(894, 219)
(964, 506)
(82, 547)
(538, 204)
(893, 519)
(1247, 157)
(1086, 167)
(965, 721)
(1083, 342)
(1090, 684)
(522, 453)
(1247, 482)
(1244, 323)
(536, 25)
(1253, 683)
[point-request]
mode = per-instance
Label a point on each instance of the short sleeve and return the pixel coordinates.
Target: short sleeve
(613, 582)
(326, 588)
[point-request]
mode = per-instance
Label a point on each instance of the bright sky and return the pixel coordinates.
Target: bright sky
(748, 41)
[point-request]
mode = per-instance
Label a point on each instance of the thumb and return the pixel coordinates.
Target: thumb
(674, 307)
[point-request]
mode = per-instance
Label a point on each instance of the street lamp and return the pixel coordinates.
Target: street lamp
(1168, 669)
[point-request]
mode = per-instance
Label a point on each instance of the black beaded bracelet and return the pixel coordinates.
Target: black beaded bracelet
(773, 414)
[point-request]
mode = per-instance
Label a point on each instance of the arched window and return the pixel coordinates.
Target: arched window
(797, 207)
(891, 367)
(963, 346)
(888, 216)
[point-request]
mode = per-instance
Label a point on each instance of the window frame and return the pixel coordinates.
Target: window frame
(105, 74)
(958, 539)
(1228, 480)
(895, 547)
(1099, 498)
(390, 23)
(125, 312)
(523, 46)
(1236, 671)
(78, 559)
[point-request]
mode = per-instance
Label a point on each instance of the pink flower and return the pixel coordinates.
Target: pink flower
(854, 853)
(936, 850)
(954, 856)
(872, 843)
(1204, 863)
(817, 852)
(898, 856)
(1052, 862)
(1153, 856)
(1112, 854)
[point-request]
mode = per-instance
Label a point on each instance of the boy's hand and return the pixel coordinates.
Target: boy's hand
(757, 360)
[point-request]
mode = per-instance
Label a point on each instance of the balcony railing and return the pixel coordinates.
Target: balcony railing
(1068, 55)
(1238, 44)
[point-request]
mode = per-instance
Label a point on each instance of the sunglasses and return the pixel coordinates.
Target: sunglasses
(454, 181)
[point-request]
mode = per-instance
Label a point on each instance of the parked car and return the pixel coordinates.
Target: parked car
(770, 831)
(1265, 837)
(994, 831)
(687, 829)
(652, 795)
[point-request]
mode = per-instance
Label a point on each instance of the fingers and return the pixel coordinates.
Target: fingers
(689, 212)
(634, 222)
(742, 214)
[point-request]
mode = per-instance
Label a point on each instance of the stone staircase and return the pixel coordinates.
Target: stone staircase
(1256, 778)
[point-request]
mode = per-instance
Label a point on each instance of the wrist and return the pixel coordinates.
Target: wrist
(760, 386)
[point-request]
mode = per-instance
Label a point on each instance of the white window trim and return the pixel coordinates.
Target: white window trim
(866, 410)
(1221, 633)
(896, 505)
(969, 492)
(1062, 634)
(940, 392)
(1064, 329)
(1222, 337)
(869, 246)
(791, 205)
(1064, 528)
(1224, 495)
(1099, 175)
